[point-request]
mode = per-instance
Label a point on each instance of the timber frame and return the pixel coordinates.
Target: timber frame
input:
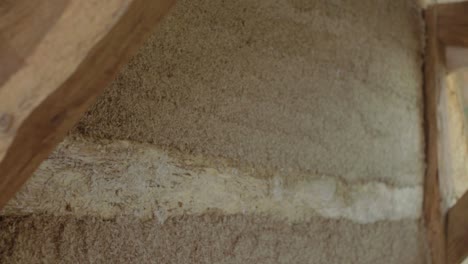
(447, 234)
(56, 57)
(34, 119)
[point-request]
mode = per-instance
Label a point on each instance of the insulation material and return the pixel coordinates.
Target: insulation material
(283, 131)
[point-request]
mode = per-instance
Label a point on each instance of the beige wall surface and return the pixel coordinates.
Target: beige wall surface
(283, 131)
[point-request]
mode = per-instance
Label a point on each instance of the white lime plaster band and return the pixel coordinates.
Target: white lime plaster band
(123, 178)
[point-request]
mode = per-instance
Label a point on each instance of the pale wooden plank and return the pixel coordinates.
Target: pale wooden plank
(453, 33)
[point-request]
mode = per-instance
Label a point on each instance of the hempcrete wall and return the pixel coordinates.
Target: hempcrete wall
(244, 132)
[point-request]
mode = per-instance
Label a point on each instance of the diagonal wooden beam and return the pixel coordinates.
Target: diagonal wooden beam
(457, 231)
(452, 32)
(56, 57)
(452, 20)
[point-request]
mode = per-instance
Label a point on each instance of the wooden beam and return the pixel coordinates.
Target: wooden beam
(457, 234)
(56, 57)
(433, 216)
(453, 23)
(452, 31)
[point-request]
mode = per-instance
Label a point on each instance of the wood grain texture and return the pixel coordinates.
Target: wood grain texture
(457, 233)
(452, 31)
(433, 215)
(453, 23)
(22, 27)
(54, 63)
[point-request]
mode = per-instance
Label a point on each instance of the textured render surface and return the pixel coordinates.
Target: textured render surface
(120, 178)
(209, 238)
(243, 132)
(327, 87)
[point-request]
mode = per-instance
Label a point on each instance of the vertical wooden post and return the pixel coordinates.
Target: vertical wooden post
(433, 215)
